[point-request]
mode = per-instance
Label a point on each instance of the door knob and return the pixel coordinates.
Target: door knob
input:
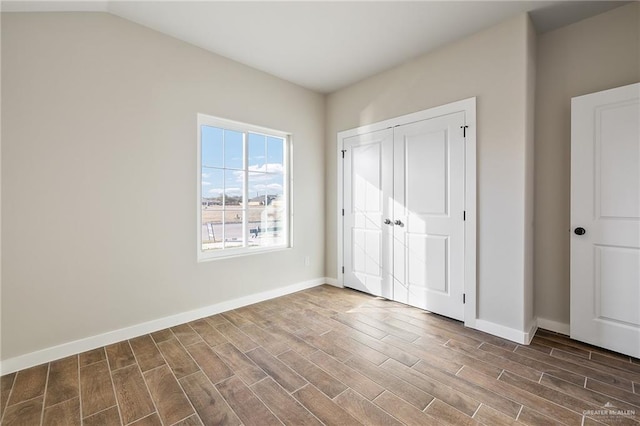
(387, 221)
(580, 231)
(399, 222)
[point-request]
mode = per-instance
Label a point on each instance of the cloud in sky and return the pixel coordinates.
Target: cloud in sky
(271, 167)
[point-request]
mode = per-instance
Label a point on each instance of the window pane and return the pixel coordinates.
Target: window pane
(233, 153)
(257, 153)
(265, 185)
(267, 226)
(256, 230)
(274, 185)
(275, 154)
(211, 139)
(212, 185)
(234, 217)
(211, 227)
(257, 187)
(233, 187)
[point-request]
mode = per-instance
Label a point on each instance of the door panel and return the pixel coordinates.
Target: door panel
(428, 262)
(429, 202)
(618, 174)
(616, 284)
(605, 201)
(367, 191)
(427, 161)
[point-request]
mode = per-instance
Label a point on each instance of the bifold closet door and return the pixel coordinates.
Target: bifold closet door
(368, 186)
(403, 214)
(428, 235)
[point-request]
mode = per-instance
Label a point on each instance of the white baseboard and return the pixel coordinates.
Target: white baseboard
(333, 282)
(555, 326)
(66, 349)
(515, 335)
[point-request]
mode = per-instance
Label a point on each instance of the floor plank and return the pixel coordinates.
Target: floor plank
(28, 384)
(448, 415)
(92, 356)
(171, 402)
(237, 337)
(110, 416)
(120, 355)
(66, 413)
(434, 388)
(490, 417)
(324, 408)
(186, 335)
(286, 377)
(209, 334)
(246, 369)
(545, 368)
(593, 373)
(63, 382)
(328, 384)
(146, 352)
(96, 389)
(523, 397)
(288, 410)
(207, 401)
(350, 377)
(480, 393)
(25, 413)
(363, 410)
(246, 405)
(406, 413)
(6, 384)
(177, 357)
(404, 390)
(215, 369)
(132, 394)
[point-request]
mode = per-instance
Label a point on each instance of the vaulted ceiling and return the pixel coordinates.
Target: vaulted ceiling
(324, 45)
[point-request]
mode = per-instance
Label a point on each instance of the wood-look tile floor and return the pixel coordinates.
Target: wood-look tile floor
(328, 356)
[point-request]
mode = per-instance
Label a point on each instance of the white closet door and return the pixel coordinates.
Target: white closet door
(368, 178)
(428, 237)
(605, 219)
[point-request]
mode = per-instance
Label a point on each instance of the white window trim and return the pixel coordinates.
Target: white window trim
(208, 120)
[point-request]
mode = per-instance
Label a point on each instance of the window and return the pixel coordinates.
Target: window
(243, 188)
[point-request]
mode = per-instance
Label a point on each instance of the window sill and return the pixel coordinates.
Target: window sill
(240, 252)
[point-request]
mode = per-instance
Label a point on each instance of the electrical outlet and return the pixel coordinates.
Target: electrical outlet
(307, 261)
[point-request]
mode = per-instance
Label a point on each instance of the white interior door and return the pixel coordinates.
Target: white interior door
(605, 204)
(428, 237)
(367, 202)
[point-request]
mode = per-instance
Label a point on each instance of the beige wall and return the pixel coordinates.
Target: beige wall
(99, 173)
(595, 54)
(492, 65)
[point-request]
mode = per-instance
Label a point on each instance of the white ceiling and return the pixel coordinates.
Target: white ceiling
(324, 45)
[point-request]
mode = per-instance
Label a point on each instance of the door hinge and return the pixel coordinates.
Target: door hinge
(464, 215)
(464, 131)
(343, 269)
(343, 151)
(464, 298)
(342, 212)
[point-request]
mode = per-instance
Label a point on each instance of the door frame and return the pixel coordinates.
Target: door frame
(468, 106)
